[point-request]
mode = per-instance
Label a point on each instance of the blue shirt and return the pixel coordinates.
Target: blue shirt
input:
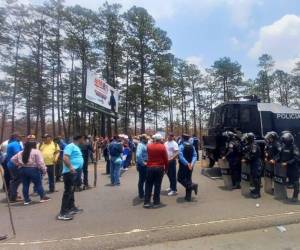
(75, 155)
(62, 146)
(181, 157)
(13, 148)
(141, 153)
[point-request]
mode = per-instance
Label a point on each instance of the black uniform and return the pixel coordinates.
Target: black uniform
(186, 151)
(233, 156)
(290, 154)
(272, 150)
(252, 155)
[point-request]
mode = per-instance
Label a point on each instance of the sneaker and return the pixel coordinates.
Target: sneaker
(172, 193)
(168, 190)
(147, 205)
(27, 202)
(75, 210)
(156, 205)
(65, 217)
(86, 187)
(254, 196)
(125, 169)
(45, 199)
(295, 199)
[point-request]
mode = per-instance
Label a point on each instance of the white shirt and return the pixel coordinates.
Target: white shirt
(172, 148)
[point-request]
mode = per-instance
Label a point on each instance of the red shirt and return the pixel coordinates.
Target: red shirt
(157, 155)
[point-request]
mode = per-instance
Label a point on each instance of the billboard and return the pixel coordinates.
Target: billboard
(100, 93)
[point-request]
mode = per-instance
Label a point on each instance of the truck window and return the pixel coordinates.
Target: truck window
(245, 115)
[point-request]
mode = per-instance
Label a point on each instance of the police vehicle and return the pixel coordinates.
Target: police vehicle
(248, 115)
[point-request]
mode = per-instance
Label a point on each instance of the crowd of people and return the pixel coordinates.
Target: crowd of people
(277, 149)
(26, 161)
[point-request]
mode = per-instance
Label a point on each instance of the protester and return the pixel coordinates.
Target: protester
(156, 167)
(115, 152)
(3, 152)
(50, 151)
(31, 164)
(106, 156)
(187, 160)
(172, 149)
(142, 158)
(126, 156)
(132, 148)
(87, 151)
(73, 161)
(59, 164)
(13, 147)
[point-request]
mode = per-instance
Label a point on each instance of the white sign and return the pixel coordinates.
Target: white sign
(100, 93)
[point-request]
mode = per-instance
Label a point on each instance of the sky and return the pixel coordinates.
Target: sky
(203, 31)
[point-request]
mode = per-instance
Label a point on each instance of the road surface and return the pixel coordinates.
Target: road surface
(114, 218)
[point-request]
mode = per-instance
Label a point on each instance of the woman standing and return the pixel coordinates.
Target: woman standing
(31, 165)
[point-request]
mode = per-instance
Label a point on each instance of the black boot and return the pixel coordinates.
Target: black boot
(195, 188)
(188, 194)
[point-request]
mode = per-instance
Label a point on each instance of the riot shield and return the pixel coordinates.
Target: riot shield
(280, 192)
(245, 179)
(269, 173)
(226, 173)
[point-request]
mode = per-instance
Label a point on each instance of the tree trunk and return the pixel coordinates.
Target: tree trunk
(53, 102)
(15, 83)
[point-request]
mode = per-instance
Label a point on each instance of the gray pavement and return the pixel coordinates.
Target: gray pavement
(114, 218)
(262, 239)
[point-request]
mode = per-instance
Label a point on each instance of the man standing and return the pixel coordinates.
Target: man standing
(86, 150)
(156, 166)
(142, 157)
(173, 150)
(112, 101)
(73, 161)
(13, 147)
(187, 160)
(115, 151)
(59, 165)
(50, 151)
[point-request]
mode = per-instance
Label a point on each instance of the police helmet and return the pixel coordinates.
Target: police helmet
(229, 135)
(248, 138)
(271, 136)
(287, 138)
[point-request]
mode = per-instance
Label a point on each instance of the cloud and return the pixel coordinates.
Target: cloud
(281, 40)
(198, 61)
(240, 11)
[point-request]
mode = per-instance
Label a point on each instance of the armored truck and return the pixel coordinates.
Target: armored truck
(248, 116)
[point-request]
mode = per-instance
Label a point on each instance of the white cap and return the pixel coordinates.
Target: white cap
(157, 137)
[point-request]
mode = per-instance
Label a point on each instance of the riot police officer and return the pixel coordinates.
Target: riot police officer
(233, 156)
(251, 154)
(271, 152)
(289, 156)
(272, 147)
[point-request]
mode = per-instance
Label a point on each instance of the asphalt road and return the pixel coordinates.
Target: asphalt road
(262, 239)
(113, 218)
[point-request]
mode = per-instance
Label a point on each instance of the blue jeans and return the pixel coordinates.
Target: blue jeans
(115, 167)
(142, 169)
(50, 172)
(31, 174)
(172, 175)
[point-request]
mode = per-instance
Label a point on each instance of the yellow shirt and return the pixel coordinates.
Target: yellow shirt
(50, 152)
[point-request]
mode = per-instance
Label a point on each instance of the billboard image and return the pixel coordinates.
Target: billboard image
(100, 93)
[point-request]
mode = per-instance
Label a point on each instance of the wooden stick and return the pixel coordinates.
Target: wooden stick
(96, 166)
(8, 204)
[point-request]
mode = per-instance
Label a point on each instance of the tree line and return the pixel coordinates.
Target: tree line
(46, 51)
